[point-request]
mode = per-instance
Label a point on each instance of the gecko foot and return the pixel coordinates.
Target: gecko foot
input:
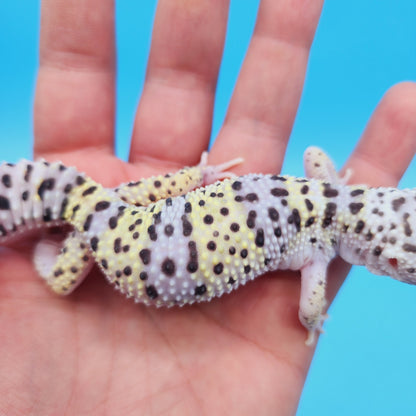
(213, 173)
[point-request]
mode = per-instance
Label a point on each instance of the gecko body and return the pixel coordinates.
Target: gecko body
(190, 248)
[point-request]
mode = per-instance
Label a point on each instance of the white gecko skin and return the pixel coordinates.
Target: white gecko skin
(168, 250)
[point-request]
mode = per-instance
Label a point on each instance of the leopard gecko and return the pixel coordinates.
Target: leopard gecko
(164, 244)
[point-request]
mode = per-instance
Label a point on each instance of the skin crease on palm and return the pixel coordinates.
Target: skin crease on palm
(94, 352)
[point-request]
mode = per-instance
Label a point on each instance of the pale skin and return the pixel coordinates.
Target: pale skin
(95, 352)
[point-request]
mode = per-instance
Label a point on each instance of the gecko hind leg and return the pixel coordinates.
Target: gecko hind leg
(63, 265)
(312, 297)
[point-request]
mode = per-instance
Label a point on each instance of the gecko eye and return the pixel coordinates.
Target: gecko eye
(393, 262)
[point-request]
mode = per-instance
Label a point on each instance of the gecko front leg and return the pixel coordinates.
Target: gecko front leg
(318, 165)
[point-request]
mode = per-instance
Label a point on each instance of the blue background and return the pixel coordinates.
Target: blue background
(365, 363)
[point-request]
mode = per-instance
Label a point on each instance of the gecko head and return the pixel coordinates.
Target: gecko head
(395, 259)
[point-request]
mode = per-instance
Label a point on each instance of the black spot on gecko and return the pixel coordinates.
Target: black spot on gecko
(329, 192)
(407, 228)
(279, 192)
(273, 214)
(278, 178)
(243, 253)
(58, 272)
(247, 269)
(329, 213)
(117, 245)
(359, 227)
(252, 197)
(304, 190)
(89, 191)
(234, 227)
(4, 203)
(251, 219)
(377, 250)
(410, 248)
(152, 232)
(94, 243)
(168, 267)
(192, 265)
(236, 185)
(145, 255)
(64, 204)
(211, 246)
(369, 236)
(296, 219)
(6, 180)
(208, 219)
(112, 222)
(397, 203)
(186, 226)
(309, 221)
(157, 217)
(151, 292)
(169, 229)
(224, 211)
(200, 290)
(87, 222)
(188, 207)
(46, 185)
(143, 276)
(308, 204)
(25, 195)
(47, 215)
(157, 184)
(218, 268)
(278, 232)
(232, 250)
(28, 172)
(259, 238)
(355, 207)
(101, 206)
(104, 264)
(357, 192)
(231, 281)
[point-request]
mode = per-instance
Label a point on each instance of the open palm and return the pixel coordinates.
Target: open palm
(95, 352)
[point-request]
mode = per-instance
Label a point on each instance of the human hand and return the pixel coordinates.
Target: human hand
(96, 352)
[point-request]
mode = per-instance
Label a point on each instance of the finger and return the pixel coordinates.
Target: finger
(74, 102)
(383, 154)
(389, 141)
(266, 97)
(173, 121)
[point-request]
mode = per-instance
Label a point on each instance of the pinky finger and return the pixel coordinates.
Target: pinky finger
(389, 141)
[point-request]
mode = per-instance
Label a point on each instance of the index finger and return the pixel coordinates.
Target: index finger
(75, 101)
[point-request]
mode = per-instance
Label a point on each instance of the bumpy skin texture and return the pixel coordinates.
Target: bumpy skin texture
(208, 242)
